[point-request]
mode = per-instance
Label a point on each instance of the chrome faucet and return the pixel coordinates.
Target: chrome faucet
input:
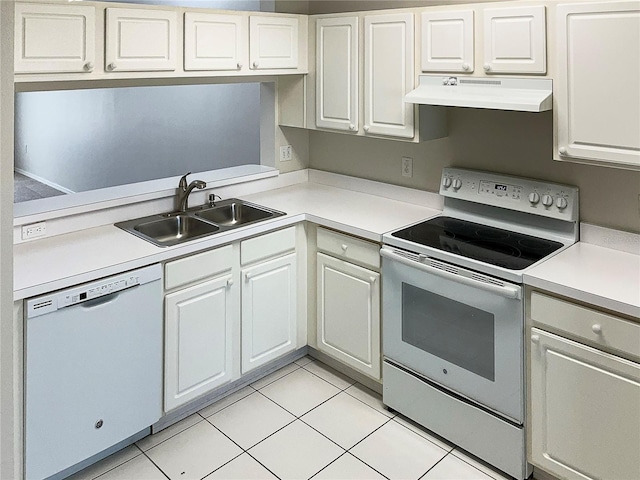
(184, 191)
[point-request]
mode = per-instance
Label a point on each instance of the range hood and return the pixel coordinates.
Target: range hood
(520, 94)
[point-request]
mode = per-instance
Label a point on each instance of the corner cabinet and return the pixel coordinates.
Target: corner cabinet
(388, 75)
(348, 301)
(584, 396)
(54, 38)
(269, 297)
(201, 323)
(598, 73)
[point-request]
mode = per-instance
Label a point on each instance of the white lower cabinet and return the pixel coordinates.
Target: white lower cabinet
(269, 305)
(585, 410)
(269, 297)
(199, 327)
(584, 396)
(348, 321)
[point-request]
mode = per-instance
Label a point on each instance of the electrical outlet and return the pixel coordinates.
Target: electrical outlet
(34, 230)
(285, 153)
(407, 167)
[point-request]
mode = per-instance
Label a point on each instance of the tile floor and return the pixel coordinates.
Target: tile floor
(303, 421)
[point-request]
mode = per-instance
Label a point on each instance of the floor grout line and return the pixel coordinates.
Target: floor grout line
(156, 465)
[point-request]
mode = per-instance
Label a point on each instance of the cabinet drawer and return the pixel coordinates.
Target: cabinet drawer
(196, 267)
(349, 248)
(592, 325)
(268, 245)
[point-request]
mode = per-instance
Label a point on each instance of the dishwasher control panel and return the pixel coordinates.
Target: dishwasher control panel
(89, 291)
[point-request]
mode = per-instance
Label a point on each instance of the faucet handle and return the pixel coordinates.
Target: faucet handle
(183, 181)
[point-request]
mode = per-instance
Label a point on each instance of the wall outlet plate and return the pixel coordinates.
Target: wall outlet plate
(34, 230)
(407, 167)
(286, 153)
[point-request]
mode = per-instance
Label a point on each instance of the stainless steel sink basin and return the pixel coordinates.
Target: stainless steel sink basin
(174, 228)
(234, 213)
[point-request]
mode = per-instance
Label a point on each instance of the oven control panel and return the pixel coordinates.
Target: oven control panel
(514, 193)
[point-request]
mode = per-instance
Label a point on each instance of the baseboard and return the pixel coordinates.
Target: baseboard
(368, 382)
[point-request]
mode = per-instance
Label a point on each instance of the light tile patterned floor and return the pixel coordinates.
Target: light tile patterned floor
(303, 421)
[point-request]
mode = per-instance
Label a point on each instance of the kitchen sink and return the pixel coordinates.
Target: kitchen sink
(234, 213)
(174, 228)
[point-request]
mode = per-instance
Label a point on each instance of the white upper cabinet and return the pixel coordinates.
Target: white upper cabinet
(337, 73)
(141, 40)
(515, 40)
(214, 42)
(388, 75)
(447, 41)
(596, 84)
(273, 42)
(54, 38)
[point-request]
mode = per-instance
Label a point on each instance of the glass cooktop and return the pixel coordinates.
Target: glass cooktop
(495, 246)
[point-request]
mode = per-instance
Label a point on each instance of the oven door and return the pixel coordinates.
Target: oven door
(459, 329)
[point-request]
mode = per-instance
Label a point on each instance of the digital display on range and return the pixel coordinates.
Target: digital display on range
(502, 188)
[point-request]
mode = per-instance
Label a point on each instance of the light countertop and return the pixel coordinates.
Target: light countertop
(65, 260)
(592, 274)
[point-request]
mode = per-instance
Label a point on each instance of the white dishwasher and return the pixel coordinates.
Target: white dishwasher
(93, 368)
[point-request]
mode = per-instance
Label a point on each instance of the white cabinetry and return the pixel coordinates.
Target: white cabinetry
(596, 84)
(200, 325)
(54, 38)
(515, 40)
(337, 73)
(269, 297)
(273, 42)
(141, 39)
(348, 302)
(388, 75)
(215, 42)
(447, 41)
(584, 402)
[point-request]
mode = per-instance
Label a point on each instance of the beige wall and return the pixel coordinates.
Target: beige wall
(515, 143)
(9, 353)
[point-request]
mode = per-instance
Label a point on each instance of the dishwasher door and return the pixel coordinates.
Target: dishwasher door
(93, 368)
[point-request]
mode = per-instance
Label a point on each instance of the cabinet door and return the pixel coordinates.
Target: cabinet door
(337, 73)
(54, 38)
(198, 339)
(388, 75)
(268, 311)
(585, 410)
(515, 40)
(447, 41)
(214, 42)
(349, 314)
(141, 40)
(596, 87)
(273, 42)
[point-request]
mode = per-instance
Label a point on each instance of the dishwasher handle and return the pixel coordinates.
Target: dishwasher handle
(96, 302)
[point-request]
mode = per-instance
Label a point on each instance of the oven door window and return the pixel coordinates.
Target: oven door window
(451, 330)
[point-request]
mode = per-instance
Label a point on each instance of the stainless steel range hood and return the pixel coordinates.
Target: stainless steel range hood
(520, 94)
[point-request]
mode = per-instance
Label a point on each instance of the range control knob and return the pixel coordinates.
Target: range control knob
(561, 203)
(547, 200)
(446, 182)
(534, 198)
(457, 184)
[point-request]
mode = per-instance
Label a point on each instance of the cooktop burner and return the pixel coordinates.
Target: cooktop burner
(495, 246)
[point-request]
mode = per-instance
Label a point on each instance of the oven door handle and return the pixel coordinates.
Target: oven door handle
(507, 291)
